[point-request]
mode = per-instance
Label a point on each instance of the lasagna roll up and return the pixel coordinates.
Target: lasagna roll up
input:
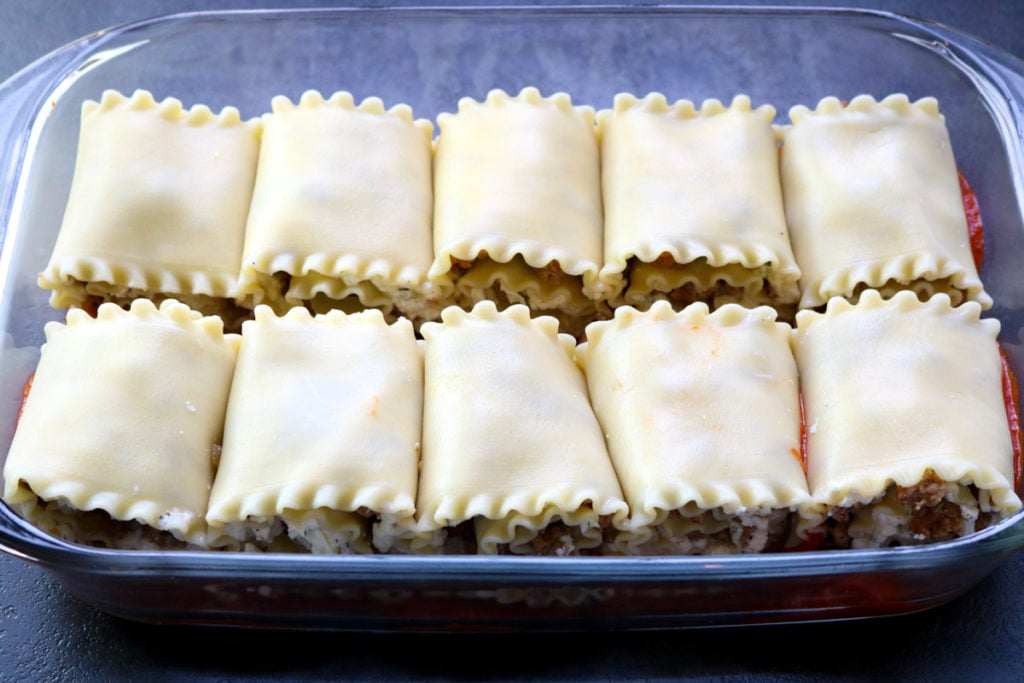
(693, 204)
(702, 417)
(120, 432)
(873, 201)
(341, 211)
(322, 435)
(157, 207)
(914, 446)
(514, 460)
(517, 204)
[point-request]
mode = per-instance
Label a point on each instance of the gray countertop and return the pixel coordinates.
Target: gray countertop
(47, 635)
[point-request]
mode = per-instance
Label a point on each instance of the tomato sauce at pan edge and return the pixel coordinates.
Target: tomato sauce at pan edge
(1011, 397)
(973, 214)
(1011, 394)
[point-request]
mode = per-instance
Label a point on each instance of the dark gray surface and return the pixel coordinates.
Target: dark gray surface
(47, 635)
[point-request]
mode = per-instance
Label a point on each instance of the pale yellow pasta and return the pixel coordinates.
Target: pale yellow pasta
(158, 205)
(702, 417)
(510, 442)
(342, 208)
(517, 203)
(322, 434)
(124, 418)
(693, 204)
(873, 201)
(907, 435)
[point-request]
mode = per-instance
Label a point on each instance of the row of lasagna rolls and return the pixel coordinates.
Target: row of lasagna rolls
(665, 433)
(520, 199)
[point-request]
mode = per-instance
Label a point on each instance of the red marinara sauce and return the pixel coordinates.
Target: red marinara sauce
(1011, 394)
(973, 213)
(1011, 397)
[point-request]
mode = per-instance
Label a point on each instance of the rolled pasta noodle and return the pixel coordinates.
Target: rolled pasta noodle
(693, 204)
(702, 416)
(157, 207)
(517, 205)
(915, 446)
(321, 442)
(341, 211)
(873, 201)
(514, 460)
(121, 430)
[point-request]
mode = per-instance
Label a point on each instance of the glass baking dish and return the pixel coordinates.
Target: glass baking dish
(429, 58)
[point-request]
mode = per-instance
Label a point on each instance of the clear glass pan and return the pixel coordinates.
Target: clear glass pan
(429, 58)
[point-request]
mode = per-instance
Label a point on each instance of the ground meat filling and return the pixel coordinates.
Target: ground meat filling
(931, 515)
(714, 531)
(96, 528)
(554, 539)
(460, 539)
(937, 523)
(689, 293)
(928, 492)
(837, 528)
(928, 511)
(559, 539)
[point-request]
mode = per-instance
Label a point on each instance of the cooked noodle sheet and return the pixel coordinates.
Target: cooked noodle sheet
(702, 417)
(321, 443)
(514, 460)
